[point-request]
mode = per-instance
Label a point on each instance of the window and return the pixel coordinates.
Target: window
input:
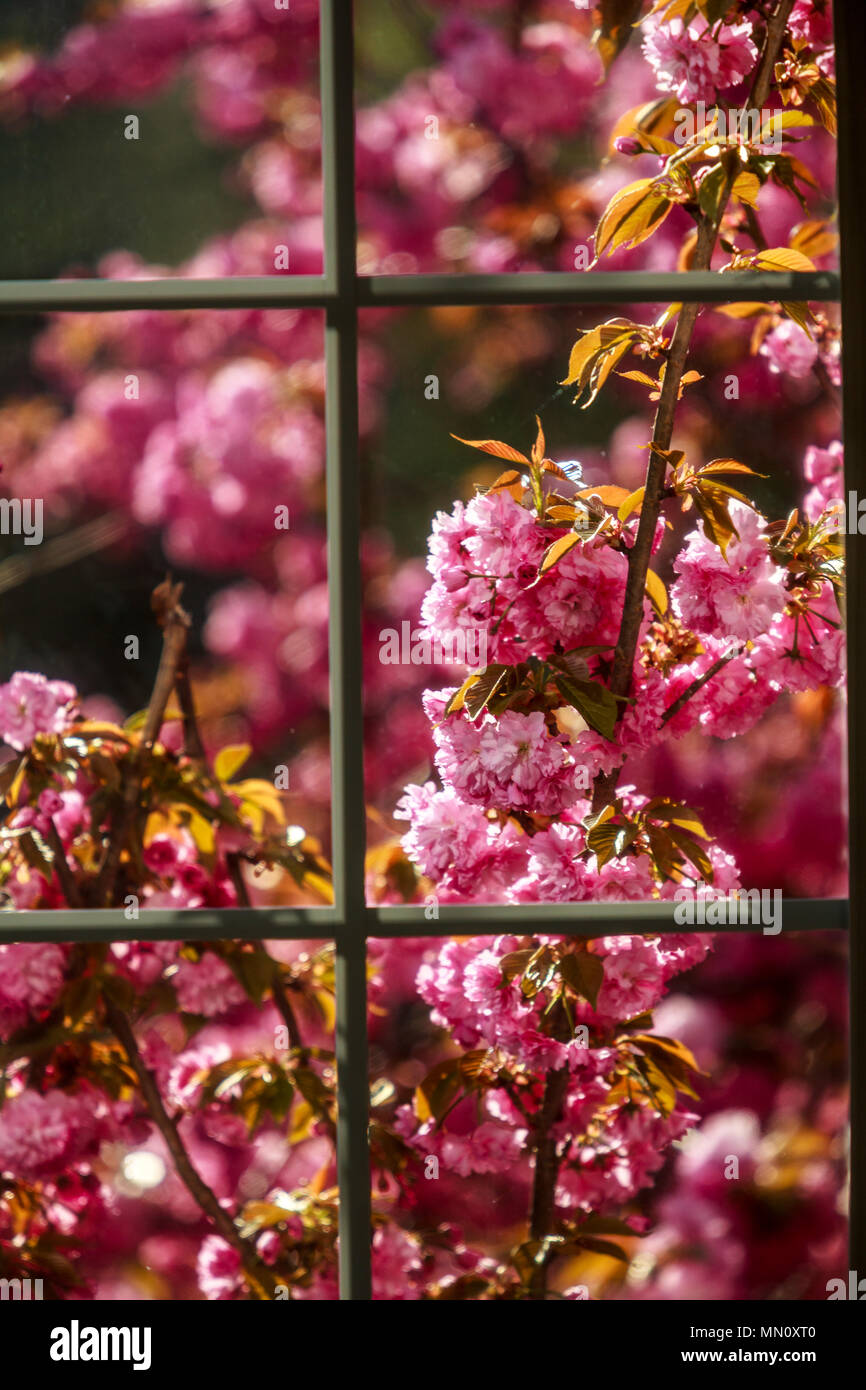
(340, 295)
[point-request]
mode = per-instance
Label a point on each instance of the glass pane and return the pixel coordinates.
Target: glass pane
(490, 139)
(143, 139)
(137, 446)
(167, 1121)
(682, 1139)
(707, 751)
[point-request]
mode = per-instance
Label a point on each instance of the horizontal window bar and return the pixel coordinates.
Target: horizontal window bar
(163, 924)
(598, 287)
(588, 919)
(244, 292)
(474, 919)
(316, 291)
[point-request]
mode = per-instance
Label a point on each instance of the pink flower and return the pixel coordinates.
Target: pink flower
(397, 1264)
(509, 762)
(634, 976)
(41, 1134)
(218, 1268)
(207, 986)
(555, 872)
(30, 705)
(788, 349)
(31, 977)
(452, 842)
(698, 62)
(824, 469)
(737, 595)
(804, 652)
(812, 20)
(734, 698)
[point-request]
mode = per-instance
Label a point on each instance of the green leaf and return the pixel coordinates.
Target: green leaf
(483, 690)
(591, 699)
(631, 216)
(592, 342)
(718, 523)
(783, 258)
(711, 190)
(230, 760)
(539, 972)
(792, 119)
(515, 963)
(602, 842)
(254, 970)
(458, 699)
(661, 808)
(495, 447)
(439, 1089)
(617, 19)
(557, 550)
(657, 592)
(693, 852)
(603, 1247)
(583, 973)
(633, 501)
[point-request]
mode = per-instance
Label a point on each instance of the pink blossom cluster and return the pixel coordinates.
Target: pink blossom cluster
(41, 1135)
(31, 976)
(199, 425)
(823, 468)
(484, 558)
(754, 635)
(465, 988)
(31, 705)
(696, 61)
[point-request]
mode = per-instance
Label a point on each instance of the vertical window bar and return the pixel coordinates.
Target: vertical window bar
(850, 37)
(348, 814)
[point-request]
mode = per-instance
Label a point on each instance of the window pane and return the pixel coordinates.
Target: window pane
(145, 139)
(138, 445)
(733, 1189)
(738, 663)
(490, 140)
(147, 1084)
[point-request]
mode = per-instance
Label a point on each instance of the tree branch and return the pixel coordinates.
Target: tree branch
(64, 874)
(260, 1279)
(546, 1158)
(175, 623)
(697, 684)
(639, 555)
(281, 1000)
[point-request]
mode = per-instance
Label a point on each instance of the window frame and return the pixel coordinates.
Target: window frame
(342, 293)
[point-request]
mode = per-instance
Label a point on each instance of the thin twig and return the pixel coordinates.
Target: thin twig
(278, 990)
(547, 1161)
(640, 553)
(192, 740)
(697, 684)
(175, 623)
(63, 550)
(261, 1280)
(67, 881)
